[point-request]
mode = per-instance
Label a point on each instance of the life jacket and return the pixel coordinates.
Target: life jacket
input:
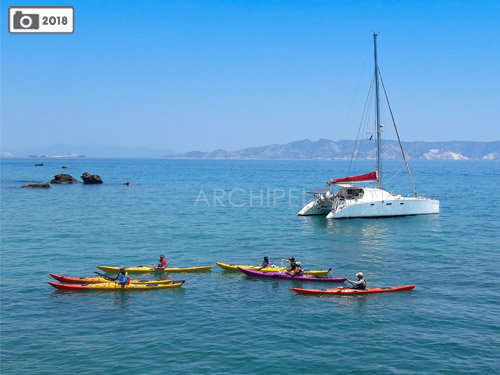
(299, 271)
(361, 286)
(265, 264)
(123, 279)
(162, 263)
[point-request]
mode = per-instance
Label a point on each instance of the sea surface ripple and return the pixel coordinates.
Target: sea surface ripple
(223, 322)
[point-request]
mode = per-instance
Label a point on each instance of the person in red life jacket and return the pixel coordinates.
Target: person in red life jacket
(265, 263)
(122, 278)
(162, 263)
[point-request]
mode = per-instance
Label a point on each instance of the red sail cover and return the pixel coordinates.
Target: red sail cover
(365, 177)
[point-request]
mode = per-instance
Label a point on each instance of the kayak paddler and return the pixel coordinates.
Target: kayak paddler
(122, 278)
(265, 263)
(298, 271)
(295, 268)
(360, 284)
(162, 263)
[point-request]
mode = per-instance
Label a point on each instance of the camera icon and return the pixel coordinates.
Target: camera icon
(26, 21)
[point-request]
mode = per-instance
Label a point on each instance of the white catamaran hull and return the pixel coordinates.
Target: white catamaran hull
(394, 207)
(316, 207)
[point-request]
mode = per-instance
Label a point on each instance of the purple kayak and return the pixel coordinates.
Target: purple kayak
(283, 275)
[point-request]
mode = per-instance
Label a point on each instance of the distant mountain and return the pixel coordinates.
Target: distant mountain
(92, 150)
(325, 149)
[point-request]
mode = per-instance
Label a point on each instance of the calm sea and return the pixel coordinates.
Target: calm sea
(199, 212)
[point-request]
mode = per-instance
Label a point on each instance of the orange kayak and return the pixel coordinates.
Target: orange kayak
(349, 291)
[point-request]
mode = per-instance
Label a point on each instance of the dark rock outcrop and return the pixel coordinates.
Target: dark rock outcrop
(127, 183)
(39, 165)
(42, 185)
(63, 178)
(91, 178)
(64, 167)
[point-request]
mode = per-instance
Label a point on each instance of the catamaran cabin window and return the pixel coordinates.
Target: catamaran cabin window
(354, 193)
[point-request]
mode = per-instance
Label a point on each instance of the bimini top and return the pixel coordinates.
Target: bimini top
(372, 176)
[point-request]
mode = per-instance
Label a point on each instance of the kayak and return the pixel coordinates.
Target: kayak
(95, 280)
(114, 286)
(234, 267)
(139, 269)
(283, 275)
(348, 291)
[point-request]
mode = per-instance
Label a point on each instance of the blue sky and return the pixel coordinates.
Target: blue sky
(202, 75)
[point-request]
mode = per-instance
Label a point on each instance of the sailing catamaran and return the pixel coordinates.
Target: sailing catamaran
(353, 201)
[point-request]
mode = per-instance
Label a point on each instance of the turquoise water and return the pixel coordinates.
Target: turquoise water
(221, 322)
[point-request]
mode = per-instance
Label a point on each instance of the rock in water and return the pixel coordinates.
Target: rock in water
(63, 178)
(39, 165)
(90, 178)
(64, 167)
(41, 185)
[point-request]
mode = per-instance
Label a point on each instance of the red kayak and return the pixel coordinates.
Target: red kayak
(348, 291)
(284, 275)
(115, 286)
(97, 280)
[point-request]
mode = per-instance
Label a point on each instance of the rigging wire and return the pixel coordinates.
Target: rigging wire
(395, 173)
(397, 134)
(357, 144)
(355, 93)
(365, 125)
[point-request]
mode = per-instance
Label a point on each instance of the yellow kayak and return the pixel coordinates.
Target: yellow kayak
(115, 286)
(234, 267)
(139, 269)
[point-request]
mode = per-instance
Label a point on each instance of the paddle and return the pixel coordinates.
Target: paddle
(104, 276)
(342, 276)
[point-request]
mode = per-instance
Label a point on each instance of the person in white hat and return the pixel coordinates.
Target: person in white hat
(360, 284)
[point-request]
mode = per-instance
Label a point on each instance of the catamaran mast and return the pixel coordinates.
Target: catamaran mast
(377, 114)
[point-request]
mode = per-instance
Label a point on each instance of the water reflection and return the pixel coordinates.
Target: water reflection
(365, 229)
(369, 245)
(122, 300)
(312, 222)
